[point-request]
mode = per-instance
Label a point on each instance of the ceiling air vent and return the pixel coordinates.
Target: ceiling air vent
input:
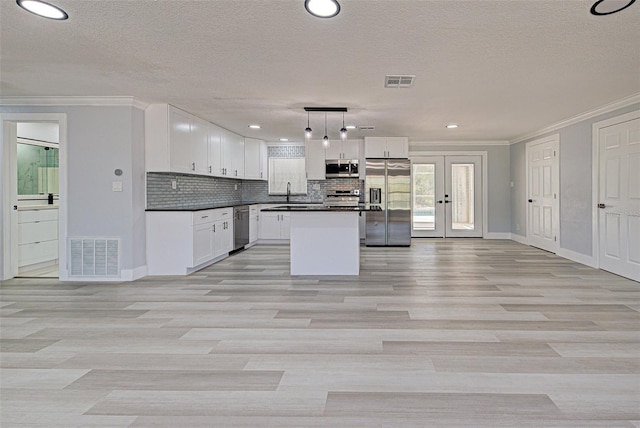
(366, 127)
(399, 81)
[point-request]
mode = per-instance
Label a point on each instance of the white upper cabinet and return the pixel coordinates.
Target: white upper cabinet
(315, 157)
(200, 145)
(238, 156)
(347, 149)
(177, 141)
(255, 159)
(386, 147)
(215, 150)
(180, 159)
(232, 154)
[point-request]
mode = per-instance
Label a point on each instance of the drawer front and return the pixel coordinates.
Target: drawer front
(223, 214)
(37, 215)
(29, 233)
(29, 254)
(202, 217)
(208, 216)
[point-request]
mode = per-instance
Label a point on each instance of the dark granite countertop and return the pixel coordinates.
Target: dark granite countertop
(236, 204)
(322, 208)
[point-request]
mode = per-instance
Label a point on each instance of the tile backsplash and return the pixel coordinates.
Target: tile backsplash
(201, 192)
(191, 191)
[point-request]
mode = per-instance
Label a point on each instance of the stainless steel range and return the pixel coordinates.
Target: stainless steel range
(343, 198)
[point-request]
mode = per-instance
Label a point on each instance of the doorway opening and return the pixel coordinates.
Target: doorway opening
(33, 183)
(447, 196)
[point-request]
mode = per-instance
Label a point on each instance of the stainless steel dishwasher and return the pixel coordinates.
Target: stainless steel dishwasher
(240, 226)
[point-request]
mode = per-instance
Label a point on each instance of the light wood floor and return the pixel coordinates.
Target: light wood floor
(445, 333)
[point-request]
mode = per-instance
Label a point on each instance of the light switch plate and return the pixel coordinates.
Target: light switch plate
(117, 186)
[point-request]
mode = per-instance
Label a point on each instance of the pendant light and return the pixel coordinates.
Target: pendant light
(343, 130)
(308, 132)
(325, 139)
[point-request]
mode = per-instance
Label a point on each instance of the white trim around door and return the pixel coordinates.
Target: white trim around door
(9, 195)
(418, 156)
(543, 193)
(597, 198)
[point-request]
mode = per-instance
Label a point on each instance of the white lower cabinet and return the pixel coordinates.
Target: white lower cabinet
(223, 236)
(37, 237)
(181, 242)
(274, 225)
(254, 223)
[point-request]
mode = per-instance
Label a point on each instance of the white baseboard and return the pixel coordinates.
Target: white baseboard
(133, 274)
(577, 257)
(497, 235)
(274, 241)
(94, 279)
(519, 238)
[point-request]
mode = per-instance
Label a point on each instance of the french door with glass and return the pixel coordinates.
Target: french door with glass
(447, 196)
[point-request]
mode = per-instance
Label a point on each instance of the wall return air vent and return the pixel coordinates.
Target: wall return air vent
(399, 81)
(94, 257)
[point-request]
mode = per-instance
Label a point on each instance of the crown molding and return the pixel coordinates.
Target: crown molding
(624, 102)
(417, 145)
(73, 101)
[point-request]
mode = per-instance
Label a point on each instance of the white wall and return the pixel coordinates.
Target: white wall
(39, 131)
(101, 139)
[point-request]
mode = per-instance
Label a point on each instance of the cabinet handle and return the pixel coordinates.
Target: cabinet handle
(193, 166)
(209, 169)
(214, 228)
(204, 216)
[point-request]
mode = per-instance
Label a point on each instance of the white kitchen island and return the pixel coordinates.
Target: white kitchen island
(324, 241)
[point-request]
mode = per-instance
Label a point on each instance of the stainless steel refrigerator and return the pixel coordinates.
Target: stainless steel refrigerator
(388, 187)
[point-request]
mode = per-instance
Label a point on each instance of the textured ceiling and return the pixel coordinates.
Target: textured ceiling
(501, 69)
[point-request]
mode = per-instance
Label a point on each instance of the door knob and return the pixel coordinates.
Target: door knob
(602, 206)
(530, 200)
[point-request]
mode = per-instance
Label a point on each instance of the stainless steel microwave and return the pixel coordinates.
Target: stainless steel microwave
(336, 168)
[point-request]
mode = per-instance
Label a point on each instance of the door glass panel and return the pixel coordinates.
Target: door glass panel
(462, 197)
(424, 196)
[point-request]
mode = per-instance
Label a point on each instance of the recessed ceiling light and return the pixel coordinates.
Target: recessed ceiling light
(351, 127)
(322, 8)
(255, 126)
(43, 9)
(602, 7)
(284, 139)
(452, 126)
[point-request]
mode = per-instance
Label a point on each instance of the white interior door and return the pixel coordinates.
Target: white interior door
(619, 199)
(542, 193)
(447, 196)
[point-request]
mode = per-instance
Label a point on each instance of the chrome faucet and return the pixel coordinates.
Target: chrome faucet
(288, 190)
